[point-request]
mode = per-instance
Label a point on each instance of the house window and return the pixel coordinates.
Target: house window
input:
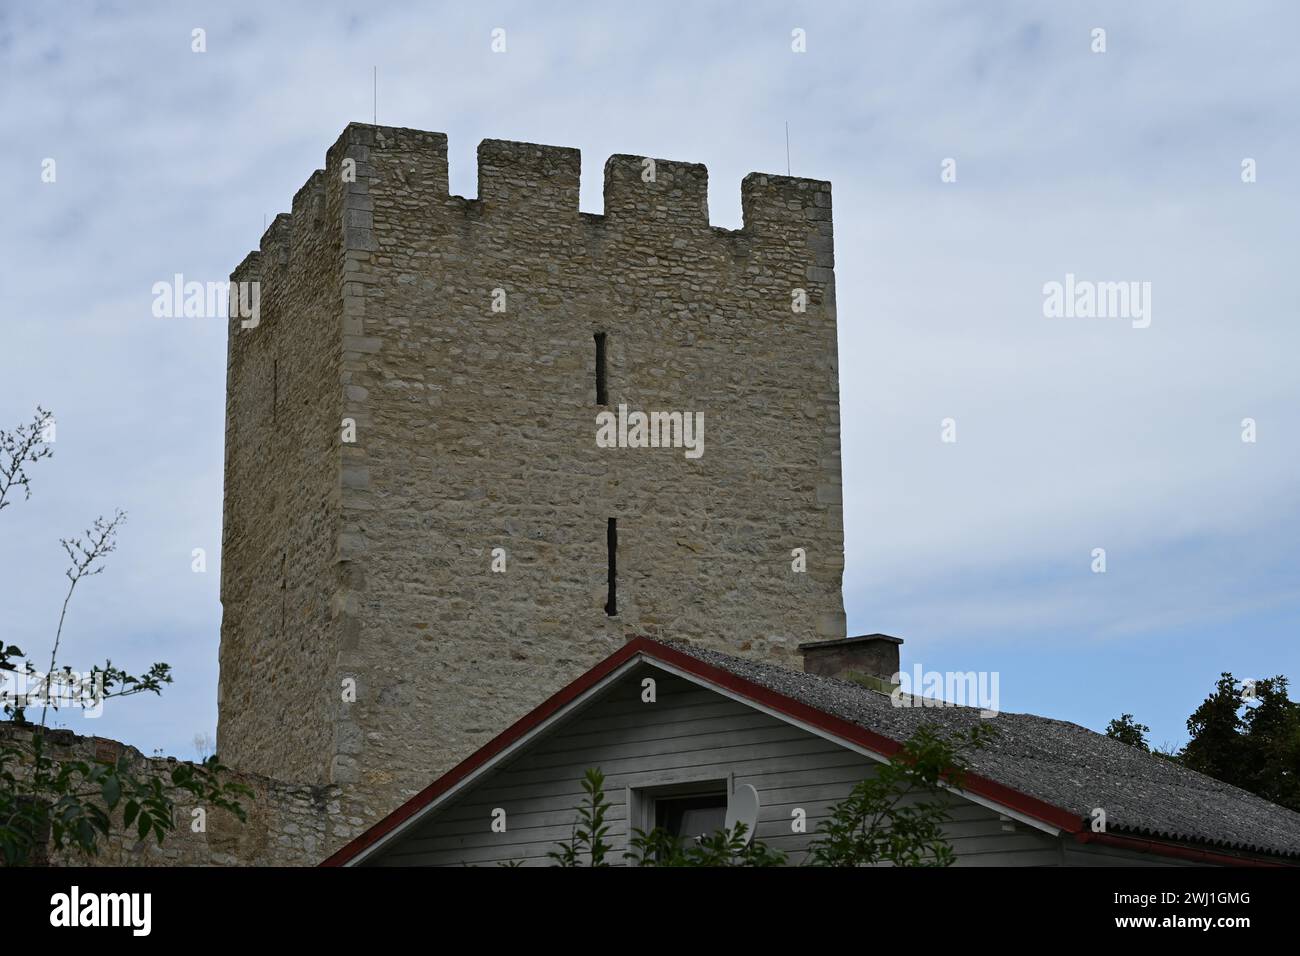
(691, 816)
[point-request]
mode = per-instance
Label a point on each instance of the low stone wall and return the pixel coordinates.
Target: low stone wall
(287, 825)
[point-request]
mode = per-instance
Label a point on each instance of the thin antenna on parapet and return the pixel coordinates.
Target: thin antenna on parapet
(376, 95)
(264, 222)
(787, 147)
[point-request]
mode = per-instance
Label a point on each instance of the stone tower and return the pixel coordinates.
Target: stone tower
(469, 345)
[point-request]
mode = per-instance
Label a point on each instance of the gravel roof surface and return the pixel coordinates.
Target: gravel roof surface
(1060, 763)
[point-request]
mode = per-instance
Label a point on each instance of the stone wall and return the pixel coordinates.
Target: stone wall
(287, 825)
(279, 633)
(372, 560)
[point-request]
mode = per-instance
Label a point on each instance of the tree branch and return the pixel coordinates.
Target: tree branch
(87, 560)
(21, 447)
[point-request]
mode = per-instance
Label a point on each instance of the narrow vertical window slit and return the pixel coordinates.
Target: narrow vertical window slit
(611, 547)
(602, 396)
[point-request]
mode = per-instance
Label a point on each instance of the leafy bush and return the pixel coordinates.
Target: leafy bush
(897, 815)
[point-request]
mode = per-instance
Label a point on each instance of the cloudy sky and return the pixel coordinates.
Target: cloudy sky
(1072, 434)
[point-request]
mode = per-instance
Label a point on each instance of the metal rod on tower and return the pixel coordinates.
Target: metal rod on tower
(787, 147)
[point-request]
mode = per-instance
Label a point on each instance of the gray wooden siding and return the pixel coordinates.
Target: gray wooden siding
(689, 735)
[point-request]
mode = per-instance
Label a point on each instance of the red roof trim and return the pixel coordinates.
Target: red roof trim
(1170, 849)
(652, 650)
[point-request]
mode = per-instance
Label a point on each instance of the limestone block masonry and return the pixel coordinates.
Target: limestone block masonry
(286, 825)
(459, 335)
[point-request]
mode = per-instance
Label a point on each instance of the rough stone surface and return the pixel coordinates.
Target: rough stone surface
(475, 430)
(287, 825)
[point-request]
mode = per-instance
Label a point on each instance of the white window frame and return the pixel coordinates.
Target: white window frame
(641, 797)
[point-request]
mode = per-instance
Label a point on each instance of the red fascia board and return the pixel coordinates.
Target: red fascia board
(1173, 850)
(835, 726)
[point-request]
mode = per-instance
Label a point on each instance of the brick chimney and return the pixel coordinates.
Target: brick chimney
(871, 655)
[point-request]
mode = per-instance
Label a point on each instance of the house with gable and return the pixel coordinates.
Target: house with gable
(689, 739)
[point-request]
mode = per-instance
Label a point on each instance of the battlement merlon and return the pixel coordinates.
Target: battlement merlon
(645, 189)
(276, 242)
(249, 268)
(308, 209)
(779, 203)
(527, 177)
